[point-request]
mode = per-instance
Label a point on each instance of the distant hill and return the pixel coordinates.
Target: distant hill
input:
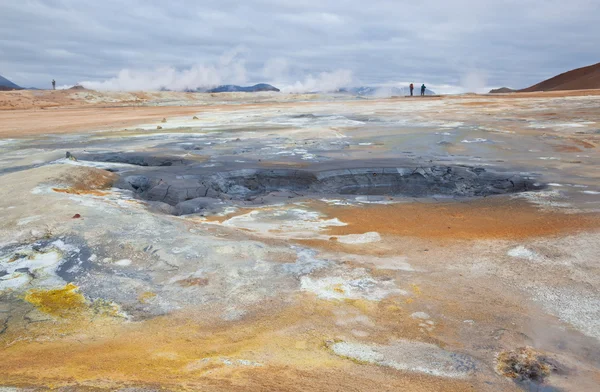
(578, 79)
(77, 87)
(6, 84)
(502, 90)
(369, 91)
(230, 88)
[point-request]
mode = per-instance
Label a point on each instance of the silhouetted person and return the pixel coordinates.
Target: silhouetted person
(53, 84)
(423, 90)
(412, 88)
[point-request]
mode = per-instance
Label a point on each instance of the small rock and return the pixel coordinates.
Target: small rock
(159, 127)
(194, 118)
(164, 120)
(76, 216)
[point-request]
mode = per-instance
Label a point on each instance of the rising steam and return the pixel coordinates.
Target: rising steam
(474, 82)
(323, 82)
(230, 69)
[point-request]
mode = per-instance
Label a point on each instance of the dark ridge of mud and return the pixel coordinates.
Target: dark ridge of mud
(190, 193)
(15, 169)
(137, 159)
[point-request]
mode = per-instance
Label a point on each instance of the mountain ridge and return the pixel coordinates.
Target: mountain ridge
(6, 84)
(232, 88)
(583, 78)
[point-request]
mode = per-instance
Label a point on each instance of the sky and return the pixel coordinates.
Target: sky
(450, 45)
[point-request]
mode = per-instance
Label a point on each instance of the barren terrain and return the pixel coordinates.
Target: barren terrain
(244, 242)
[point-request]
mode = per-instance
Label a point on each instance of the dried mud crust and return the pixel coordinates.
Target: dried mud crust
(174, 188)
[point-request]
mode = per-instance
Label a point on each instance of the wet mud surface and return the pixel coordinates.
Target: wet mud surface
(185, 187)
(325, 244)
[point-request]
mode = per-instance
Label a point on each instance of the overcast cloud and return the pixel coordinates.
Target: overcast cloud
(451, 45)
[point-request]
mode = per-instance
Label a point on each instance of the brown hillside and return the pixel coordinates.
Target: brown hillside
(577, 79)
(6, 88)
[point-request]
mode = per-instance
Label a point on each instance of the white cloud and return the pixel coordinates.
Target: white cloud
(276, 69)
(437, 42)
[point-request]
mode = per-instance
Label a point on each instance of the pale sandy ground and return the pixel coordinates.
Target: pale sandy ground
(29, 113)
(305, 295)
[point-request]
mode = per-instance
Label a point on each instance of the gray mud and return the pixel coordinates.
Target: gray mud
(189, 186)
(184, 188)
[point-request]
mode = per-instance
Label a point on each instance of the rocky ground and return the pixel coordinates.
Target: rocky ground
(291, 243)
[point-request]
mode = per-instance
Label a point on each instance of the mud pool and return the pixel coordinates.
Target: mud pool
(392, 244)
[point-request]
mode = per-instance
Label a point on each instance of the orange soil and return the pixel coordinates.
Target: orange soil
(563, 148)
(482, 219)
(22, 123)
(85, 180)
(583, 143)
(169, 351)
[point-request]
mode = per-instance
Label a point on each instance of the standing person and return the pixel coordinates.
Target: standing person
(423, 90)
(53, 84)
(411, 89)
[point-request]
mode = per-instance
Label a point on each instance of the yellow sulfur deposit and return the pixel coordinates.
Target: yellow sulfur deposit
(58, 302)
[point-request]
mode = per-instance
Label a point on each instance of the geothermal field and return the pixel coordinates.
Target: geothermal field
(279, 242)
